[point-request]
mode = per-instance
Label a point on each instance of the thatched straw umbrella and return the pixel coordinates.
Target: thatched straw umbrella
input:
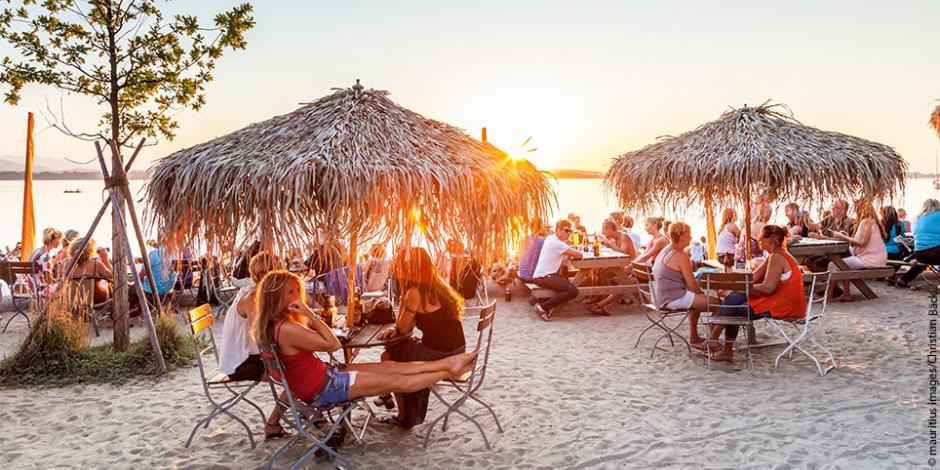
(935, 120)
(754, 150)
(352, 165)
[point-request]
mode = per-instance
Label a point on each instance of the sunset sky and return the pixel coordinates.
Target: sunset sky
(588, 80)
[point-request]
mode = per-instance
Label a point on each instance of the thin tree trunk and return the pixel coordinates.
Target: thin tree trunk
(120, 307)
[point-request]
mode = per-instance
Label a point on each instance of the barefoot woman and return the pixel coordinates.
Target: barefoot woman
(285, 320)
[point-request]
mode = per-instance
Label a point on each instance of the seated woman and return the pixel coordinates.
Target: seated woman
(284, 320)
(654, 225)
(92, 262)
(676, 287)
(433, 307)
(239, 357)
(620, 242)
(867, 246)
(926, 241)
(777, 291)
(377, 269)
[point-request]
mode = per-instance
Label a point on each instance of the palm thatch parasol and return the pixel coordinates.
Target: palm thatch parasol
(352, 165)
(755, 150)
(935, 120)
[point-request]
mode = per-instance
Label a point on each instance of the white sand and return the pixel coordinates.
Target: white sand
(570, 394)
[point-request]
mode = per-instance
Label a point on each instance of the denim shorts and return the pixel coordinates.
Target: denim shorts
(336, 389)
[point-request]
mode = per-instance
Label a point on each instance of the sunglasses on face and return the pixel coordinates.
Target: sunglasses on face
(566, 230)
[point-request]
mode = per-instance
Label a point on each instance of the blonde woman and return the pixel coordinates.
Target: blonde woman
(728, 234)
(45, 258)
(867, 245)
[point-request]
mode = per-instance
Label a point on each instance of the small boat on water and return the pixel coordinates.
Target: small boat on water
(72, 191)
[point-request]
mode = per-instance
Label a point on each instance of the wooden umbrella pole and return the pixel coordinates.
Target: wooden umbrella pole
(747, 225)
(351, 293)
(711, 238)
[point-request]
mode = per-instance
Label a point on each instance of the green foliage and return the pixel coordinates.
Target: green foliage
(127, 55)
(56, 352)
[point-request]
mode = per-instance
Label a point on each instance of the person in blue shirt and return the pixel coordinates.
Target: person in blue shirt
(164, 276)
(926, 242)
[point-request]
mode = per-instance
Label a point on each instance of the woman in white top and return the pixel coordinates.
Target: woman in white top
(728, 235)
(239, 357)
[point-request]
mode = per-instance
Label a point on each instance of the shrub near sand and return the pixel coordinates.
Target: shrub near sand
(57, 349)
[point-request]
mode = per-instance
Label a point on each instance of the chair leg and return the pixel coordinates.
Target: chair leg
(490, 409)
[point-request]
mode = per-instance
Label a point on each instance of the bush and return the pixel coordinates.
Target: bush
(56, 350)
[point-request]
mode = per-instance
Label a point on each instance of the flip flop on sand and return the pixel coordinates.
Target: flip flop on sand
(280, 434)
(595, 310)
(392, 420)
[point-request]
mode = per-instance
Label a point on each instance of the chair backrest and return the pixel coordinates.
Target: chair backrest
(484, 342)
(276, 379)
(200, 322)
(9, 270)
(817, 294)
(734, 282)
(645, 279)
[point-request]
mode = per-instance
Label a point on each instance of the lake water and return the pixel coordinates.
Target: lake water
(584, 197)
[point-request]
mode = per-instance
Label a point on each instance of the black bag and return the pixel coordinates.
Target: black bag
(381, 312)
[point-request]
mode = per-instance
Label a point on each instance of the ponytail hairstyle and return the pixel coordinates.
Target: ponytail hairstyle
(775, 232)
(272, 306)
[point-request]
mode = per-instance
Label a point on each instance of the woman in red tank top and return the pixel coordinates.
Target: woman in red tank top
(777, 291)
(284, 319)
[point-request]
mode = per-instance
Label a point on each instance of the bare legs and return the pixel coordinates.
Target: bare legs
(701, 303)
(406, 377)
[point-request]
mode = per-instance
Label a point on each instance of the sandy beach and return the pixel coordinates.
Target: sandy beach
(573, 393)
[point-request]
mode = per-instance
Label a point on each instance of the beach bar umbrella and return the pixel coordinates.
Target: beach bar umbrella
(754, 150)
(352, 166)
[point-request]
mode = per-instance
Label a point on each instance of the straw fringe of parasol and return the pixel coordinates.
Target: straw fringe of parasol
(352, 165)
(935, 120)
(755, 150)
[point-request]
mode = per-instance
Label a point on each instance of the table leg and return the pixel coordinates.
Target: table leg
(860, 284)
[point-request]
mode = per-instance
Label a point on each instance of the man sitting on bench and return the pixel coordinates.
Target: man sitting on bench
(554, 250)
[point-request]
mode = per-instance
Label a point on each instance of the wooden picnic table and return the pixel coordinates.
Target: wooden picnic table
(607, 260)
(834, 250)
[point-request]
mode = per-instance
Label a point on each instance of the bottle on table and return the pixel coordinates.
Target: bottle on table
(329, 313)
(597, 246)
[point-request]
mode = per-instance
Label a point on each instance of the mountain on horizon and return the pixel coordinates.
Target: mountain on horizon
(16, 163)
(571, 173)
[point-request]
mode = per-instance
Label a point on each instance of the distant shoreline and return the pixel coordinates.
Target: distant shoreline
(68, 175)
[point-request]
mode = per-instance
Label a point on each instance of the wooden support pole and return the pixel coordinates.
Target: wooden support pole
(351, 293)
(135, 277)
(710, 237)
(747, 225)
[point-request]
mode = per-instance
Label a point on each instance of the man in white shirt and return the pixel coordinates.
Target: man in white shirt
(554, 251)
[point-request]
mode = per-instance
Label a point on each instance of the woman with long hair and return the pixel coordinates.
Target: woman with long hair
(867, 245)
(431, 305)
(926, 241)
(892, 228)
(728, 234)
(284, 320)
(654, 227)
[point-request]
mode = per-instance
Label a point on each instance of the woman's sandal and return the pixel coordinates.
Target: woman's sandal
(280, 434)
(597, 310)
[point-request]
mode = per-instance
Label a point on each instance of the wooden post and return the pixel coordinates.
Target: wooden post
(351, 293)
(710, 236)
(129, 200)
(747, 225)
(483, 134)
(121, 228)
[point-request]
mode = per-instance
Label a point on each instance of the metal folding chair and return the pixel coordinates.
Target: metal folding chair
(806, 328)
(469, 385)
(301, 417)
(667, 320)
(200, 322)
(735, 282)
(25, 272)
